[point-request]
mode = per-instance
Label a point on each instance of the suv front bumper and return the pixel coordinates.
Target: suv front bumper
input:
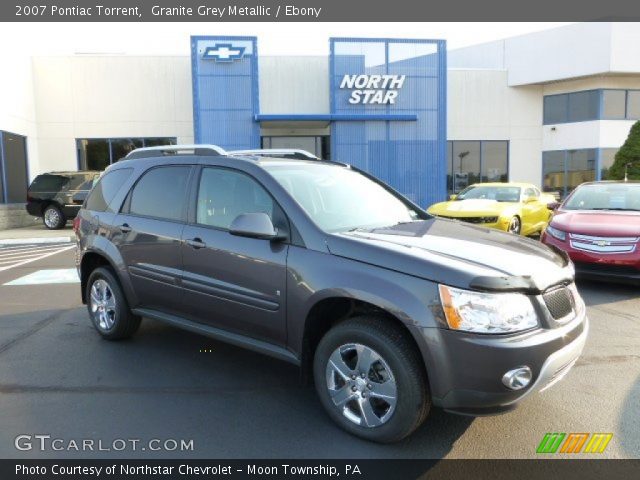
(467, 378)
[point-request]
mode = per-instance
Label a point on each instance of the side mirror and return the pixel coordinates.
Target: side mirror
(553, 205)
(255, 225)
(453, 197)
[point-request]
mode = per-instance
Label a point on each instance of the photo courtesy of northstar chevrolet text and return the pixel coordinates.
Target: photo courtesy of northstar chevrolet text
(280, 240)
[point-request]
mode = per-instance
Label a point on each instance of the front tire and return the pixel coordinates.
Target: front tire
(371, 379)
(53, 218)
(108, 307)
(515, 225)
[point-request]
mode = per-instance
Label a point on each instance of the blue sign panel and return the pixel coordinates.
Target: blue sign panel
(377, 77)
(225, 91)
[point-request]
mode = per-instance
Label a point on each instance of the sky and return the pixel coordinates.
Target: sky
(44, 39)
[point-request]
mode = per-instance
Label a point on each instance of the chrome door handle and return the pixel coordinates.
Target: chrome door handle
(195, 243)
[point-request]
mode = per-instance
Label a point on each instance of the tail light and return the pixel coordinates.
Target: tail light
(76, 224)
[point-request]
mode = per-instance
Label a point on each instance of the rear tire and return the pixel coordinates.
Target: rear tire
(108, 307)
(53, 218)
(371, 379)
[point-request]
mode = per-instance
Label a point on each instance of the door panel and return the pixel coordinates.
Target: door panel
(149, 236)
(151, 250)
(231, 282)
(236, 283)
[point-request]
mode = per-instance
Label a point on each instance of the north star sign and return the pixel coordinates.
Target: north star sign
(223, 52)
(373, 89)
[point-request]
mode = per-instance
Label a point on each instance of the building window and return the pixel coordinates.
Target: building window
(584, 106)
(564, 170)
(614, 104)
(99, 153)
(633, 105)
(556, 109)
(14, 177)
(607, 157)
(474, 161)
(592, 105)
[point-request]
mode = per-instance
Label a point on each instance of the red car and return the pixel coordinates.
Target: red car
(598, 225)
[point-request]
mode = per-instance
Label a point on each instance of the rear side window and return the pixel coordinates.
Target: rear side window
(106, 189)
(161, 193)
(49, 183)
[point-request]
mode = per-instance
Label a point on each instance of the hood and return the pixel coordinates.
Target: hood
(598, 223)
(472, 206)
(457, 254)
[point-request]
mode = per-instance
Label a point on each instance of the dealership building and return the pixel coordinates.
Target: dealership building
(550, 108)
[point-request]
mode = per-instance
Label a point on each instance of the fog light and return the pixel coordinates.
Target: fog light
(517, 378)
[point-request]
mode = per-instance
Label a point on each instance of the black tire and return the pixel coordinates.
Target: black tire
(53, 218)
(397, 349)
(123, 323)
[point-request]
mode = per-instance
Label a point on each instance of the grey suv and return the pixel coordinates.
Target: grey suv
(390, 310)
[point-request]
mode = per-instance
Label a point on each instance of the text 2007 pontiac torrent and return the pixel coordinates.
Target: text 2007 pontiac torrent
(392, 311)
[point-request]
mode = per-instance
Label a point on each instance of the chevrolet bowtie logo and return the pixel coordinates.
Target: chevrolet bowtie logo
(223, 52)
(602, 243)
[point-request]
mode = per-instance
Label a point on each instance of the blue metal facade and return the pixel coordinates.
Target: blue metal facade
(225, 91)
(410, 156)
(402, 142)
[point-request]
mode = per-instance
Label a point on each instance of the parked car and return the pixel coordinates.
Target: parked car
(598, 225)
(518, 208)
(57, 196)
(390, 310)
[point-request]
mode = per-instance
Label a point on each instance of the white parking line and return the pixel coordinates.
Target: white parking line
(49, 276)
(27, 251)
(28, 258)
(34, 240)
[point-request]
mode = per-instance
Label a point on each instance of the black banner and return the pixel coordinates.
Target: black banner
(316, 10)
(294, 469)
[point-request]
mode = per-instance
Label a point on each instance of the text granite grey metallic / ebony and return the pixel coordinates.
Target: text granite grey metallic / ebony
(389, 310)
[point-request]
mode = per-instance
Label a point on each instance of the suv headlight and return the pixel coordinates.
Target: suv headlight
(554, 232)
(487, 312)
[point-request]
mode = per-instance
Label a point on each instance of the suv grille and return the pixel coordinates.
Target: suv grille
(559, 302)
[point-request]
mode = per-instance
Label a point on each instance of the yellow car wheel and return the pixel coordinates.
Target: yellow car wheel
(515, 225)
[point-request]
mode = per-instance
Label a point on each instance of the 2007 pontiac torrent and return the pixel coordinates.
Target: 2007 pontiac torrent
(390, 310)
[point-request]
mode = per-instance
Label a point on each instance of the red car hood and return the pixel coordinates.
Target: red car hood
(598, 223)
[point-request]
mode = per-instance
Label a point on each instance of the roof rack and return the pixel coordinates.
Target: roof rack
(277, 153)
(203, 150)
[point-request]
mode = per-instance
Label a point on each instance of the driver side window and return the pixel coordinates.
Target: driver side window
(224, 194)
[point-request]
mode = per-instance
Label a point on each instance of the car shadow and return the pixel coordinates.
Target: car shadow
(599, 293)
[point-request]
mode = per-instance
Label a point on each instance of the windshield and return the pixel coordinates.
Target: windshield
(603, 196)
(488, 192)
(339, 199)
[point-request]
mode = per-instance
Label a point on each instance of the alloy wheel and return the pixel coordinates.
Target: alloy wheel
(51, 218)
(361, 385)
(103, 304)
(514, 226)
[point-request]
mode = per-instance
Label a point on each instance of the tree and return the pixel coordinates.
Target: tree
(629, 153)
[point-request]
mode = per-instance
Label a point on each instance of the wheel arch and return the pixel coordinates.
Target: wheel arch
(97, 257)
(332, 309)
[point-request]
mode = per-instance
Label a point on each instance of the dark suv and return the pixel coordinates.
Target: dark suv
(57, 196)
(390, 310)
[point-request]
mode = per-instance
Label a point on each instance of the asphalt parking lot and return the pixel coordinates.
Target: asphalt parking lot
(59, 378)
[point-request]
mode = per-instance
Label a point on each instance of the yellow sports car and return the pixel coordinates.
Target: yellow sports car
(518, 208)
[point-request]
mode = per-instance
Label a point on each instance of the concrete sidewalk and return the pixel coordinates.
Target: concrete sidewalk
(36, 234)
